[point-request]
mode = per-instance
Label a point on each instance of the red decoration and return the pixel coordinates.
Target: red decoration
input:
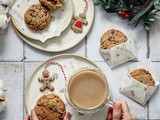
(127, 16)
(79, 24)
(123, 13)
(46, 76)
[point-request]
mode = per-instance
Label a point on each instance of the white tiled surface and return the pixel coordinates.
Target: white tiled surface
(18, 60)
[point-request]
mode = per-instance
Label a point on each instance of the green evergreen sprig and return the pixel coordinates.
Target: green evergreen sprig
(136, 10)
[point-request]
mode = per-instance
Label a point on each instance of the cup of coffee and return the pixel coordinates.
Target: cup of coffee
(87, 90)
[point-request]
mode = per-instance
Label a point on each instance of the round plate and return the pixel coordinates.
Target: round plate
(70, 64)
(68, 38)
(27, 34)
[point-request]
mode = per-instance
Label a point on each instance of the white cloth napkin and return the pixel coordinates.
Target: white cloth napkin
(55, 27)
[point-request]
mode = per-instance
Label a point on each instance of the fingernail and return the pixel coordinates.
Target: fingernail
(68, 115)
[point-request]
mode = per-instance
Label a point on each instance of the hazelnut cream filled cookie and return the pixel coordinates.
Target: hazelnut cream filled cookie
(52, 4)
(50, 107)
(37, 17)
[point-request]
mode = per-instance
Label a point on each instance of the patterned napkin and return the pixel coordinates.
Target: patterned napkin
(121, 53)
(58, 19)
(136, 90)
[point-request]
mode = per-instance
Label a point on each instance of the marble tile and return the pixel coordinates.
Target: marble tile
(154, 104)
(11, 46)
(32, 54)
(154, 40)
(12, 75)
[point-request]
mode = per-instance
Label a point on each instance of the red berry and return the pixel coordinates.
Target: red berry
(127, 16)
(123, 13)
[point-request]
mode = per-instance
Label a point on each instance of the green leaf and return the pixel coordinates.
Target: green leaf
(151, 19)
(146, 27)
(142, 12)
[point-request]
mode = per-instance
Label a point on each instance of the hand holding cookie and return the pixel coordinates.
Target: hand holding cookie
(32, 117)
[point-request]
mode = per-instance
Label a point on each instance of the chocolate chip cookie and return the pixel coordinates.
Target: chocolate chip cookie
(112, 38)
(52, 4)
(50, 107)
(143, 76)
(37, 17)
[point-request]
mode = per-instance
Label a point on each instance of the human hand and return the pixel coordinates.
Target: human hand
(67, 116)
(34, 116)
(120, 111)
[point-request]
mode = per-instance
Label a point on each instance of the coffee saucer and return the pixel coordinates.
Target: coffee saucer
(61, 67)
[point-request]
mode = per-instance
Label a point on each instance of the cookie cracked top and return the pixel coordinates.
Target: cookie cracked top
(50, 107)
(37, 17)
(52, 4)
(143, 76)
(112, 38)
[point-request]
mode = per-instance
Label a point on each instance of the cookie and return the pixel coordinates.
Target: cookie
(143, 76)
(46, 79)
(50, 107)
(112, 38)
(37, 17)
(52, 4)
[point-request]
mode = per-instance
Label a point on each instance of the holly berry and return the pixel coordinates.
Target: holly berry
(127, 16)
(123, 13)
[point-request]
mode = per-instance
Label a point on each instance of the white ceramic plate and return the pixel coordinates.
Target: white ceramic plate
(68, 5)
(70, 64)
(68, 38)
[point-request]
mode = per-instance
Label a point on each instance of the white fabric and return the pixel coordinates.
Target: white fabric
(55, 27)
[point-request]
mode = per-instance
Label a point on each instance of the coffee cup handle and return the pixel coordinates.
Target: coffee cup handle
(109, 103)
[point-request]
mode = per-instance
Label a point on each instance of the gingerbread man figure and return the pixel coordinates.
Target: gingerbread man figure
(46, 79)
(78, 23)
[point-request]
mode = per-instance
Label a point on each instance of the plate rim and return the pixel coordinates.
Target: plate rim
(56, 51)
(41, 64)
(23, 33)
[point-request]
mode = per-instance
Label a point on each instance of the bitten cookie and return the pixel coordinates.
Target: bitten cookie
(52, 4)
(50, 107)
(112, 38)
(37, 17)
(143, 76)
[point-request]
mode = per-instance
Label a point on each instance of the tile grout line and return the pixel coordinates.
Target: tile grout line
(23, 77)
(23, 87)
(148, 45)
(148, 55)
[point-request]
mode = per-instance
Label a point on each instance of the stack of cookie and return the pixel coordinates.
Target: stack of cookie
(38, 17)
